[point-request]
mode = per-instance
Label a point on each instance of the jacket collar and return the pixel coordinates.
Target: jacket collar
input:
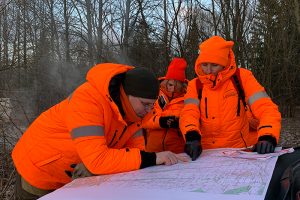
(114, 91)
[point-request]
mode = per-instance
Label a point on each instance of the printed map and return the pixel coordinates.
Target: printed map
(210, 173)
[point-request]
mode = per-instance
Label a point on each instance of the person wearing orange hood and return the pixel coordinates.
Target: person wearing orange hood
(97, 125)
(162, 124)
(218, 119)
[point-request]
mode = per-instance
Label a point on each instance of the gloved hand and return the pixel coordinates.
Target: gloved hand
(193, 149)
(265, 144)
(165, 122)
(80, 171)
(175, 123)
(193, 146)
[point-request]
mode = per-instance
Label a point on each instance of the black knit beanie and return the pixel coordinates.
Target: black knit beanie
(141, 82)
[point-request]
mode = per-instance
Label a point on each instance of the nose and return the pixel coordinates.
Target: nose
(172, 88)
(209, 71)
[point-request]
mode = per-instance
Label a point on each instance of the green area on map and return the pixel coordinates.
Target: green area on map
(238, 190)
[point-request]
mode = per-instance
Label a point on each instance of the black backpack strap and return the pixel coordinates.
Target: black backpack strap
(199, 86)
(237, 83)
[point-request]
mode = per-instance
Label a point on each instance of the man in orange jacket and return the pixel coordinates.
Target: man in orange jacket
(97, 125)
(219, 118)
(162, 124)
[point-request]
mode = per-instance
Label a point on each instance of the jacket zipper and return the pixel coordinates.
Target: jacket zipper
(125, 129)
(114, 144)
(214, 82)
(121, 134)
(113, 138)
(163, 142)
(206, 107)
(243, 139)
(154, 118)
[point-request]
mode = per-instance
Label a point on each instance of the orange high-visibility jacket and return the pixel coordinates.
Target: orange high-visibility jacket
(215, 117)
(164, 139)
(253, 124)
(86, 127)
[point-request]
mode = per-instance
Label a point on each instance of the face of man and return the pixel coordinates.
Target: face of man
(141, 106)
(211, 68)
(171, 86)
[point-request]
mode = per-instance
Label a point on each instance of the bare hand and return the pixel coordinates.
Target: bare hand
(169, 122)
(168, 158)
(80, 171)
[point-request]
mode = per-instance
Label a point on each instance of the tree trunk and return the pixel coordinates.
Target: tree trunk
(100, 34)
(126, 34)
(146, 34)
(297, 14)
(89, 32)
(67, 42)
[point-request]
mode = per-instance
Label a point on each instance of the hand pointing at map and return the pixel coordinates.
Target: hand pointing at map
(168, 158)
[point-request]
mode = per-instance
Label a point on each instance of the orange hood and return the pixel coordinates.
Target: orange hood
(101, 75)
(227, 72)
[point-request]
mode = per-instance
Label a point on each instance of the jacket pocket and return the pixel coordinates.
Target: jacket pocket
(49, 160)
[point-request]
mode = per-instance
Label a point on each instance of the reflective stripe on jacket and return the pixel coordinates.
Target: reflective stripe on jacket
(164, 139)
(216, 120)
(86, 127)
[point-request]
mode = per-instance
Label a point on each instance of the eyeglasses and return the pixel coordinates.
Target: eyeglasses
(147, 106)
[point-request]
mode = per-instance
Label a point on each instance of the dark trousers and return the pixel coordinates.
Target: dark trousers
(22, 194)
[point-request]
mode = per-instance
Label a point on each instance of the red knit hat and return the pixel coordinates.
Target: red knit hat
(215, 50)
(176, 69)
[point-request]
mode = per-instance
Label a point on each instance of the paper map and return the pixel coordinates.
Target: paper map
(210, 174)
(254, 155)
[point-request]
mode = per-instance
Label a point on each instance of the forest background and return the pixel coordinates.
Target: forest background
(47, 47)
